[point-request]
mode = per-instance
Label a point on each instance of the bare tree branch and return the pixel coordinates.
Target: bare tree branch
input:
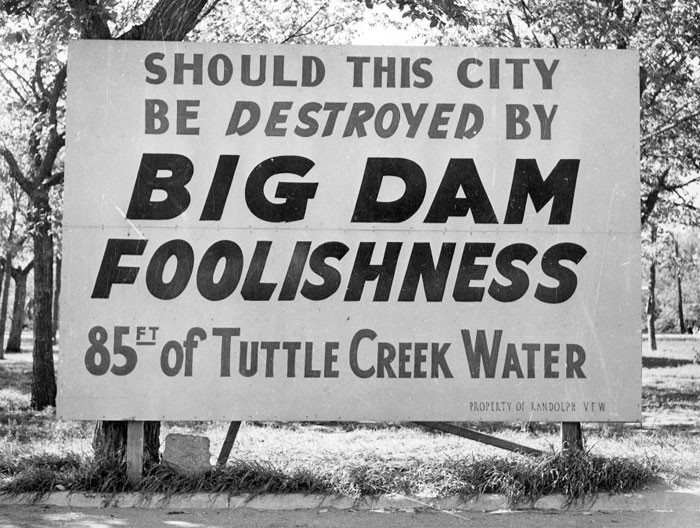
(297, 31)
(676, 186)
(652, 197)
(92, 23)
(15, 172)
(59, 83)
(661, 86)
(9, 83)
(317, 30)
(207, 11)
(684, 204)
(37, 81)
(55, 179)
(667, 128)
(33, 143)
(527, 18)
(56, 140)
(670, 119)
(168, 20)
(513, 33)
(17, 271)
(15, 71)
(55, 144)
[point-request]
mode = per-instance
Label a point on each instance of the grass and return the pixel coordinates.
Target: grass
(671, 383)
(357, 463)
(520, 478)
(39, 453)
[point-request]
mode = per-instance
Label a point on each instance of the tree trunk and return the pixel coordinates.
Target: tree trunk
(2, 274)
(14, 342)
(3, 304)
(651, 301)
(681, 317)
(56, 296)
(44, 376)
(109, 441)
(167, 20)
(679, 279)
(651, 307)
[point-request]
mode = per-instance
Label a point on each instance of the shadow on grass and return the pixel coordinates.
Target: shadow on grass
(677, 400)
(16, 372)
(662, 362)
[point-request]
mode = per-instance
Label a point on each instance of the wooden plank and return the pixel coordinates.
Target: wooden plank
(571, 436)
(481, 437)
(134, 452)
(233, 429)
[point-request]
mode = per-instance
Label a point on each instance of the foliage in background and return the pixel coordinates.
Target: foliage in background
(32, 91)
(677, 254)
(33, 71)
(666, 34)
(280, 22)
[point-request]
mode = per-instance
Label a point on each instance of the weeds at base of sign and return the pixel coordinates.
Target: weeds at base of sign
(577, 476)
(44, 473)
(39, 454)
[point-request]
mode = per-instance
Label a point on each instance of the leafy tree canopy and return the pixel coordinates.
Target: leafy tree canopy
(667, 35)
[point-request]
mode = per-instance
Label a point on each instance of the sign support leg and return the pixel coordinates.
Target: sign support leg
(571, 437)
(481, 437)
(134, 452)
(228, 444)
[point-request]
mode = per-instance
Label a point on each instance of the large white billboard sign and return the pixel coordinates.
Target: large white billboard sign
(350, 233)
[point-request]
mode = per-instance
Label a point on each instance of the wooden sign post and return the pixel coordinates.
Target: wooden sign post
(134, 452)
(571, 438)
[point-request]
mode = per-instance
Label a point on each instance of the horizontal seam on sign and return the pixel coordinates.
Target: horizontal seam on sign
(354, 229)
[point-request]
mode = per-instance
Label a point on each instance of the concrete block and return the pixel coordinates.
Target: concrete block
(187, 454)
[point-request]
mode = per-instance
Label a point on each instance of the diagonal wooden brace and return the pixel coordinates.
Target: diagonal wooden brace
(446, 427)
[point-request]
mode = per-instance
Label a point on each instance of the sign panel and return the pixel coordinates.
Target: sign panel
(350, 233)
